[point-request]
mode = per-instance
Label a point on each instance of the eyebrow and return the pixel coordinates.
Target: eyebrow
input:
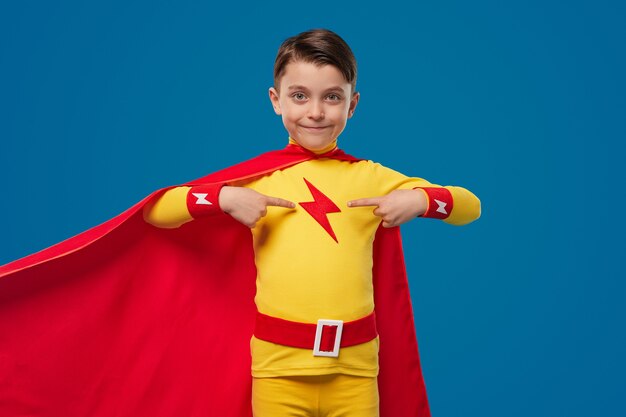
(328, 90)
(296, 87)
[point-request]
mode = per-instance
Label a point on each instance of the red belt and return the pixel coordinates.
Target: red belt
(324, 338)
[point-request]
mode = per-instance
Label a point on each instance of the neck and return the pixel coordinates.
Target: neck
(325, 149)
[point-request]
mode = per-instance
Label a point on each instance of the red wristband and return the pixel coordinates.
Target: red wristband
(203, 200)
(439, 202)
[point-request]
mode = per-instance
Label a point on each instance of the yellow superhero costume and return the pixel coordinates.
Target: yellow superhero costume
(312, 266)
(317, 395)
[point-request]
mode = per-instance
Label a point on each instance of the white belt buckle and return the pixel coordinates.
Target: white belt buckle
(318, 338)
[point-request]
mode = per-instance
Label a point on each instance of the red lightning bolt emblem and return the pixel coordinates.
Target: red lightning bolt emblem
(319, 208)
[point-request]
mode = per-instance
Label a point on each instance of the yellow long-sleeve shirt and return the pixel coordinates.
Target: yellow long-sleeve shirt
(304, 273)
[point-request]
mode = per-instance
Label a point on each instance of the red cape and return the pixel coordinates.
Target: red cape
(126, 319)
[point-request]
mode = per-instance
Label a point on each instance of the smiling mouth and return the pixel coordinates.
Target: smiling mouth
(315, 127)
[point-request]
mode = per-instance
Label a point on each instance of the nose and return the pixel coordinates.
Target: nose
(316, 110)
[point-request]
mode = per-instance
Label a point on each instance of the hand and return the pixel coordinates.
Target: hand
(397, 207)
(248, 206)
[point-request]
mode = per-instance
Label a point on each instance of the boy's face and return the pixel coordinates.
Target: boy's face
(315, 103)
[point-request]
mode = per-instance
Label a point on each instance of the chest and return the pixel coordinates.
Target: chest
(321, 192)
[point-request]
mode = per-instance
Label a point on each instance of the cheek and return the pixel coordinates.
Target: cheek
(291, 113)
(340, 116)
(290, 120)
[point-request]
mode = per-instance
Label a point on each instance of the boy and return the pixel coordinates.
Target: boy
(313, 225)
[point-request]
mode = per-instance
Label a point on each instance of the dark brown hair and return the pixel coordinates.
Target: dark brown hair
(320, 47)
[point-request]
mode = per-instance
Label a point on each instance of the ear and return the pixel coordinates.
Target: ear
(274, 99)
(353, 102)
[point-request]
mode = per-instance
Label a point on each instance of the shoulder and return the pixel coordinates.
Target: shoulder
(258, 166)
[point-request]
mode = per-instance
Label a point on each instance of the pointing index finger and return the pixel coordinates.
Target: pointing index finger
(279, 202)
(365, 202)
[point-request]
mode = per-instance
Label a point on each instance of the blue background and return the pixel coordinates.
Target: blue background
(521, 313)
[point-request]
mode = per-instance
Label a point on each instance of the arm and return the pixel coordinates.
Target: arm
(180, 205)
(465, 209)
(169, 211)
(403, 198)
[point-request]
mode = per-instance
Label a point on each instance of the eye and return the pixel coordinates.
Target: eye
(333, 97)
(298, 96)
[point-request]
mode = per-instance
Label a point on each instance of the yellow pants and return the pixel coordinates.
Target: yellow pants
(335, 395)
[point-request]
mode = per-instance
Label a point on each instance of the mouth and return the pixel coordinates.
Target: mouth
(315, 128)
